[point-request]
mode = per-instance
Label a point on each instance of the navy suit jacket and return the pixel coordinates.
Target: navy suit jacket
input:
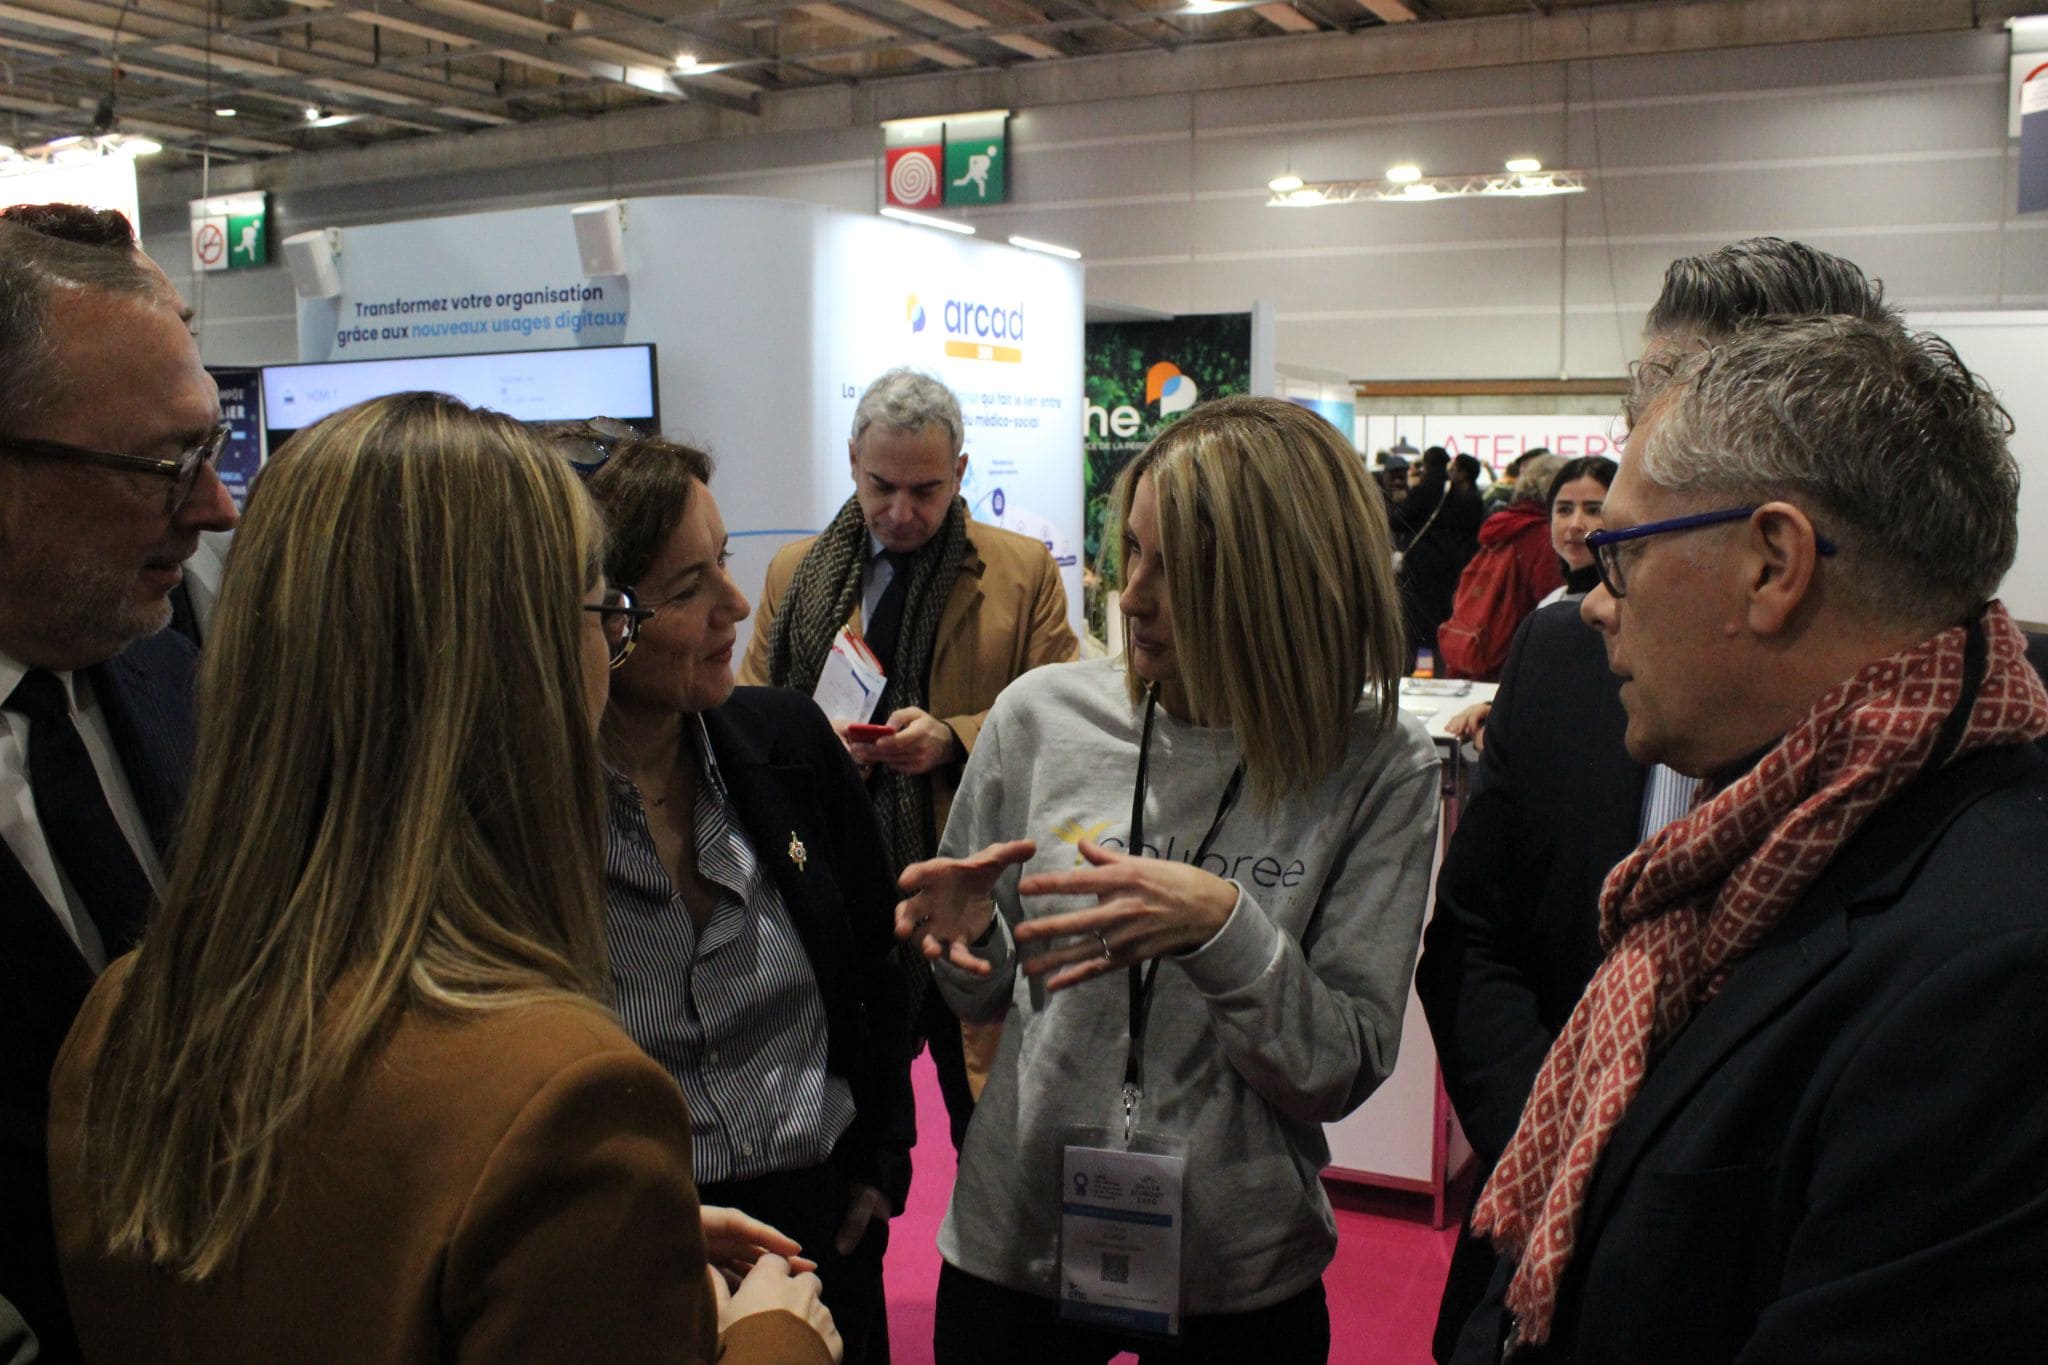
(145, 695)
(1840, 1158)
(812, 825)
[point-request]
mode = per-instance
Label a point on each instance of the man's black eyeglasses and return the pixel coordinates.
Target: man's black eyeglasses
(1606, 545)
(622, 618)
(181, 471)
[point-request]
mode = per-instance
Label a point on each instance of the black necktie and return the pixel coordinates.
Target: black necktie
(885, 627)
(84, 837)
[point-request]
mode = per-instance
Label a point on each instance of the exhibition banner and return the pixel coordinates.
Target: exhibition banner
(1139, 377)
(1001, 328)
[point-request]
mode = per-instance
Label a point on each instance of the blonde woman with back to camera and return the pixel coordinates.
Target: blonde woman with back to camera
(356, 1097)
(1144, 1163)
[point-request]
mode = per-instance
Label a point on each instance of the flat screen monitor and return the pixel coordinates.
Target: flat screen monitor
(534, 386)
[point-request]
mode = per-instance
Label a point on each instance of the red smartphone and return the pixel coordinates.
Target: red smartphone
(868, 734)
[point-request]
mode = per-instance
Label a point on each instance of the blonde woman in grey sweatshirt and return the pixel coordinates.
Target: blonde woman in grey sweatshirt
(1257, 940)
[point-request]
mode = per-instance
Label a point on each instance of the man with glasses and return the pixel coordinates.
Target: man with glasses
(1799, 1112)
(1557, 801)
(108, 428)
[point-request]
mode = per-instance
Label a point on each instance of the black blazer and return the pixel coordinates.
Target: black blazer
(145, 694)
(1840, 1159)
(791, 779)
(1555, 803)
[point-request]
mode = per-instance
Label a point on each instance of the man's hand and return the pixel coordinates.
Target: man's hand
(853, 748)
(949, 906)
(922, 742)
(1145, 907)
(863, 1204)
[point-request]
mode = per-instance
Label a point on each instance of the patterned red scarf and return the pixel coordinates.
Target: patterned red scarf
(1685, 908)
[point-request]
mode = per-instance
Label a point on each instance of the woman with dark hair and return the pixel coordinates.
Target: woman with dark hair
(1578, 493)
(357, 1097)
(749, 901)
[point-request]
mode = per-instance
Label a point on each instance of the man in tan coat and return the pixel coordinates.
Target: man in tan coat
(953, 610)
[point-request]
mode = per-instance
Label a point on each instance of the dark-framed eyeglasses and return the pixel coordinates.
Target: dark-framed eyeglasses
(182, 471)
(1605, 546)
(622, 618)
(588, 444)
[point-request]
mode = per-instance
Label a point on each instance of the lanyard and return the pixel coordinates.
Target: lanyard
(1141, 979)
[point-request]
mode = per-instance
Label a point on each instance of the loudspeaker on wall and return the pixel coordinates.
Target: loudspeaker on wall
(311, 258)
(600, 237)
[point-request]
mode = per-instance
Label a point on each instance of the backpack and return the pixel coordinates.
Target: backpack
(1493, 596)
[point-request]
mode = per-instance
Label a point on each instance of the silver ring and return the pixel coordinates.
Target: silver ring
(1107, 956)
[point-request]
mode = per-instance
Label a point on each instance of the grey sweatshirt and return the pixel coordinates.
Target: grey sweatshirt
(1285, 1020)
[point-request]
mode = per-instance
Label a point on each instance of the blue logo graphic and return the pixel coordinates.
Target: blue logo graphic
(914, 310)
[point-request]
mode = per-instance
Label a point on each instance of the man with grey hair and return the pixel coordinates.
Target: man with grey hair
(1556, 800)
(109, 426)
(1799, 1112)
(952, 608)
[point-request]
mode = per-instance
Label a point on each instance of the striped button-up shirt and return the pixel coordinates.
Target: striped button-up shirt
(734, 1015)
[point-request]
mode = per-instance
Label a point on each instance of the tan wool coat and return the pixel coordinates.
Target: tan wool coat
(506, 1186)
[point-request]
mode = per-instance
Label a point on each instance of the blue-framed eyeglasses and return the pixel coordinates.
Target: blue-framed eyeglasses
(1605, 546)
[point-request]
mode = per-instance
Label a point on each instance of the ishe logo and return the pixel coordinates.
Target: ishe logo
(1165, 387)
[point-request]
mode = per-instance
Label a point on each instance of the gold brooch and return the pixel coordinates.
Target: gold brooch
(796, 851)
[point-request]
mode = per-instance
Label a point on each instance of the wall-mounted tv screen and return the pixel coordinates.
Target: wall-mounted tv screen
(534, 386)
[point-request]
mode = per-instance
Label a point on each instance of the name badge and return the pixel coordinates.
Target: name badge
(1120, 1226)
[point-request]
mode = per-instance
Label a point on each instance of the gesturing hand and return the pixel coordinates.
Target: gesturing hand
(949, 906)
(1144, 907)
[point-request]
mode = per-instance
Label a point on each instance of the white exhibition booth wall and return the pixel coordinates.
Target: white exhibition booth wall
(2008, 350)
(768, 318)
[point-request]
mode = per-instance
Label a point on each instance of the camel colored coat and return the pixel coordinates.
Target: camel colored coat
(505, 1186)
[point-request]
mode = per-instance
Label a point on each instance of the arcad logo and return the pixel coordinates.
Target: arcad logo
(914, 311)
(984, 331)
(1165, 386)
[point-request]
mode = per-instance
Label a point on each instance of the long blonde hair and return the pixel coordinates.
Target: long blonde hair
(396, 805)
(1279, 572)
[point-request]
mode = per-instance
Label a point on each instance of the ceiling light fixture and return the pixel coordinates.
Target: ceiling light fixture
(686, 62)
(1523, 165)
(924, 220)
(1049, 248)
(1405, 174)
(1429, 189)
(1208, 6)
(1285, 184)
(313, 115)
(224, 112)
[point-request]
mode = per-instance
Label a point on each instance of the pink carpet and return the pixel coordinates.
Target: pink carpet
(1383, 1286)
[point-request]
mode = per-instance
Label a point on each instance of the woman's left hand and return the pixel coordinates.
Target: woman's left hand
(1145, 907)
(733, 1242)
